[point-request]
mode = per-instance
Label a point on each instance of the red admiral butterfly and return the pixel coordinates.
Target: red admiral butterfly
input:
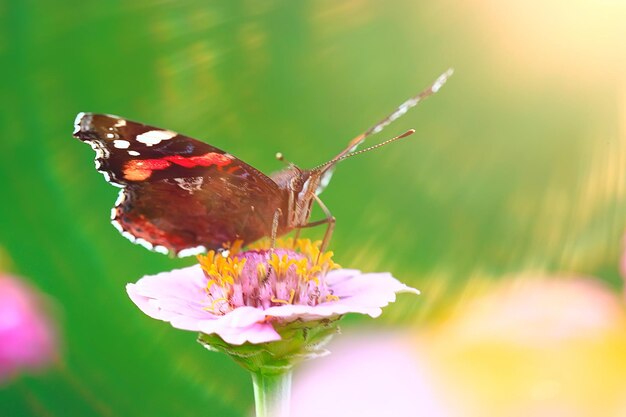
(184, 196)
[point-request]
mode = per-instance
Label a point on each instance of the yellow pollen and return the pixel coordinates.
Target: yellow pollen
(224, 268)
(261, 272)
(280, 264)
(308, 268)
(221, 270)
(209, 284)
(292, 294)
(331, 297)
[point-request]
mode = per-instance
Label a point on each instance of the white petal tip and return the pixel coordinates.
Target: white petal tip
(411, 290)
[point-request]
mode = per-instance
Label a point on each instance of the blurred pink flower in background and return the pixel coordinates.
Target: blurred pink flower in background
(28, 338)
(522, 347)
(372, 375)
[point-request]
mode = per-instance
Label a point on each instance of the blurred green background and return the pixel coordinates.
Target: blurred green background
(516, 165)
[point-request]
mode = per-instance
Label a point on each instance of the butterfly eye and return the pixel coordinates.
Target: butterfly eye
(296, 184)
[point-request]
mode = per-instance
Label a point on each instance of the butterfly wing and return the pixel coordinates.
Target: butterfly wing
(178, 194)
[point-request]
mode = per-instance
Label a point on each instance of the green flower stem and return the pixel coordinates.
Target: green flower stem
(271, 363)
(272, 393)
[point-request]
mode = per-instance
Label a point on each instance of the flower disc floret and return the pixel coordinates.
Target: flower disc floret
(291, 274)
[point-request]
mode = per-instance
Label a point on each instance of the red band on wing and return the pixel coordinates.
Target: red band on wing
(141, 169)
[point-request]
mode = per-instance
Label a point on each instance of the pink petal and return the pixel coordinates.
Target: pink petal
(179, 297)
(358, 293)
(368, 284)
(244, 324)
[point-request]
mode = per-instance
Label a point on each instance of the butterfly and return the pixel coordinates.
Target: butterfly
(182, 196)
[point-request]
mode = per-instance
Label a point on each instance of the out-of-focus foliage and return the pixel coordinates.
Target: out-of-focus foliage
(517, 164)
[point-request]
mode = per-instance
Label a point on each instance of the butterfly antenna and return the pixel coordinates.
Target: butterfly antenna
(371, 148)
(280, 157)
(398, 112)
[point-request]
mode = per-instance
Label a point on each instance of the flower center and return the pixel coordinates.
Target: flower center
(291, 273)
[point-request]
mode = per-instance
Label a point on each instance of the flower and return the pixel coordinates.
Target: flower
(253, 296)
(268, 308)
(28, 339)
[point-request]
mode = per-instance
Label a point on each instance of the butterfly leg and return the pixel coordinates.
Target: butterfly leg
(277, 214)
(329, 221)
(273, 227)
(296, 235)
(273, 236)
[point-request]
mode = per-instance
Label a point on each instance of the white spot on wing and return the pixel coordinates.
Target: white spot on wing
(79, 118)
(121, 144)
(117, 225)
(108, 179)
(191, 251)
(144, 243)
(129, 236)
(154, 137)
(100, 151)
(161, 249)
(120, 123)
(133, 153)
(120, 198)
(190, 184)
(102, 154)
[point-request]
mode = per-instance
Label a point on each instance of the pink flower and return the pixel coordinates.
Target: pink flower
(525, 346)
(250, 296)
(370, 375)
(27, 336)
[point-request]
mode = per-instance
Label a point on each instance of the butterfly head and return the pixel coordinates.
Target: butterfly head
(291, 179)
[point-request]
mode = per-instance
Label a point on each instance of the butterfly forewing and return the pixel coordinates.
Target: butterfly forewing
(178, 194)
